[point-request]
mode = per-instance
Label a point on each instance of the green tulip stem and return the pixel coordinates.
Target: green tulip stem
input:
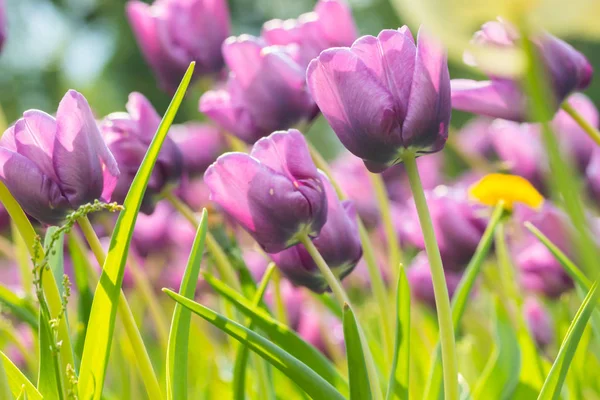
(591, 131)
(394, 253)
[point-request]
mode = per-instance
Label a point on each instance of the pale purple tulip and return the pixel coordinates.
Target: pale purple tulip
(265, 92)
(152, 233)
(329, 25)
(200, 145)
(421, 285)
(539, 322)
(53, 166)
(475, 137)
(128, 136)
(275, 193)
(339, 244)
(173, 33)
(384, 96)
(567, 69)
(322, 330)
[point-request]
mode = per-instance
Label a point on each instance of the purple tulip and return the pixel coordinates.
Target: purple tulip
(421, 285)
(53, 166)
(266, 91)
(384, 96)
(128, 136)
(200, 145)
(329, 25)
(499, 97)
(539, 322)
(323, 331)
(275, 193)
(458, 225)
(193, 192)
(2, 24)
(592, 175)
(339, 244)
(173, 33)
(152, 233)
(475, 137)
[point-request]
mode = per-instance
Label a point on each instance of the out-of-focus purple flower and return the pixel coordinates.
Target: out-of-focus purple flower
(173, 33)
(53, 166)
(339, 244)
(458, 225)
(500, 97)
(329, 25)
(266, 91)
(275, 193)
(539, 322)
(592, 175)
(200, 145)
(350, 173)
(193, 192)
(152, 233)
(384, 95)
(14, 353)
(475, 137)
(430, 168)
(128, 136)
(2, 24)
(321, 330)
(421, 285)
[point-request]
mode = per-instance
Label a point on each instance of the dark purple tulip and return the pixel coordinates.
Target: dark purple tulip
(2, 24)
(200, 145)
(173, 33)
(567, 69)
(458, 225)
(53, 166)
(421, 285)
(539, 322)
(338, 243)
(275, 193)
(384, 95)
(266, 91)
(128, 136)
(329, 25)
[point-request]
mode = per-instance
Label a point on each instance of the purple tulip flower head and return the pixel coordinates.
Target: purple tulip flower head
(200, 145)
(339, 244)
(275, 193)
(266, 91)
(421, 285)
(329, 25)
(152, 233)
(539, 322)
(173, 33)
(53, 166)
(501, 97)
(128, 136)
(384, 96)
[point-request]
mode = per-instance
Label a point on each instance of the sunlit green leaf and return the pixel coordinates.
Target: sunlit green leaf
(360, 388)
(17, 381)
(401, 361)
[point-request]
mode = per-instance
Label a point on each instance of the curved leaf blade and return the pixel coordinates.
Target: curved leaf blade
(17, 381)
(360, 388)
(401, 361)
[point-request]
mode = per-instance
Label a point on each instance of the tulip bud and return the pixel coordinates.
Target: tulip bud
(421, 285)
(539, 322)
(200, 145)
(266, 91)
(339, 244)
(567, 69)
(329, 25)
(384, 96)
(128, 136)
(275, 193)
(173, 33)
(54, 166)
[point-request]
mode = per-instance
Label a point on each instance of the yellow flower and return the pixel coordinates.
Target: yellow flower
(511, 189)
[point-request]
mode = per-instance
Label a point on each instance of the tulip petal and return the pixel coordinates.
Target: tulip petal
(496, 99)
(335, 22)
(428, 115)
(34, 138)
(243, 56)
(143, 113)
(8, 139)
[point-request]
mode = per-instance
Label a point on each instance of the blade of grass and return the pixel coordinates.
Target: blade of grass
(311, 382)
(17, 381)
(19, 307)
(179, 335)
(360, 388)
(108, 292)
(401, 361)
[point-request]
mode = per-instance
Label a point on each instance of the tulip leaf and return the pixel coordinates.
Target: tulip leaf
(360, 388)
(108, 291)
(17, 381)
(55, 256)
(19, 307)
(177, 352)
(558, 372)
(311, 382)
(500, 376)
(401, 358)
(281, 335)
(433, 389)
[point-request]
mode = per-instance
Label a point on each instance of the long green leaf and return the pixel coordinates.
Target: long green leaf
(55, 256)
(558, 372)
(360, 388)
(401, 360)
(17, 381)
(311, 382)
(47, 383)
(281, 335)
(106, 298)
(433, 389)
(18, 306)
(179, 335)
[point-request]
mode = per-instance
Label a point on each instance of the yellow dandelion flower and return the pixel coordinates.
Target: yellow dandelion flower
(511, 189)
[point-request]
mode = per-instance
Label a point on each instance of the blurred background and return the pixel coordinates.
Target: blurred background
(88, 45)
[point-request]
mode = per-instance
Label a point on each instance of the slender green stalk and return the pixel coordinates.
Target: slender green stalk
(343, 300)
(280, 310)
(394, 253)
(143, 359)
(440, 290)
(591, 131)
(221, 261)
(22, 258)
